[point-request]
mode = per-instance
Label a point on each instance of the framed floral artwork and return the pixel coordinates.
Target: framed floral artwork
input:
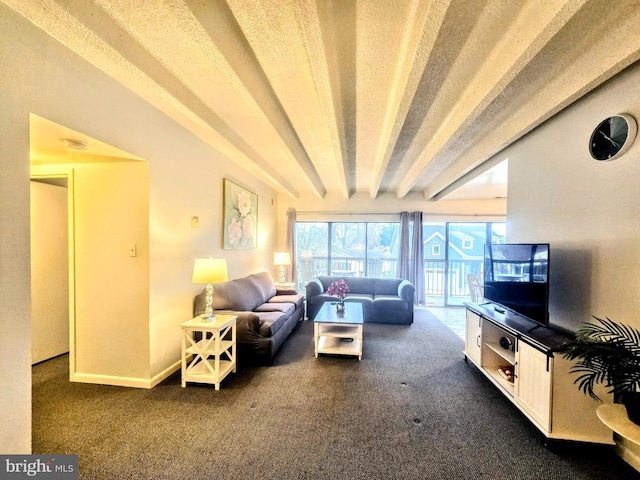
(240, 217)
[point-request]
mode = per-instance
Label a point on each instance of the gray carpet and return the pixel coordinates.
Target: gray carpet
(411, 409)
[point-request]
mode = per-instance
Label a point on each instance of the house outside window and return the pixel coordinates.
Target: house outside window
(465, 255)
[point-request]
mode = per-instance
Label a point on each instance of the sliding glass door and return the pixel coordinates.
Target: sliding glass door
(452, 251)
(435, 261)
(465, 255)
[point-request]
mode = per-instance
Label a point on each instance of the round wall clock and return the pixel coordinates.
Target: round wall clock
(613, 137)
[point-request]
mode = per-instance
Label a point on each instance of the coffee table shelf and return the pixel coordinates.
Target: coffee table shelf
(338, 334)
(337, 346)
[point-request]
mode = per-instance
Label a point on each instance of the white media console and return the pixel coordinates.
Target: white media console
(540, 385)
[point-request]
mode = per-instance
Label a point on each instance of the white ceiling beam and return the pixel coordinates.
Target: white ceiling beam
(534, 27)
(218, 20)
(381, 117)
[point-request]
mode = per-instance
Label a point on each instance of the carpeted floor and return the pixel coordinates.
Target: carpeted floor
(411, 409)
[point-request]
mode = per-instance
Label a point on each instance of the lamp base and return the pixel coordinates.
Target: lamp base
(207, 319)
(208, 305)
(282, 276)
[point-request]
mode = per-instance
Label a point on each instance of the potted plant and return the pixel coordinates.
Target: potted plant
(608, 353)
(339, 289)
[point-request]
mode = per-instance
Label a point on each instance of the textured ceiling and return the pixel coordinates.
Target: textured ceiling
(352, 96)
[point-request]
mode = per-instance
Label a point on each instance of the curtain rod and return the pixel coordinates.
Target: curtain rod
(310, 212)
(325, 212)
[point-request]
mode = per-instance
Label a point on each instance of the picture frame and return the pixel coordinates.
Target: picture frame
(240, 217)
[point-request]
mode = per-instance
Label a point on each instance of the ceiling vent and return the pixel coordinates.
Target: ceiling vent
(74, 144)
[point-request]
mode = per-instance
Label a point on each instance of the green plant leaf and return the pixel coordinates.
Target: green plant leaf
(607, 353)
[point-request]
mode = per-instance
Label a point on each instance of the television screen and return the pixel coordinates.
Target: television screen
(516, 276)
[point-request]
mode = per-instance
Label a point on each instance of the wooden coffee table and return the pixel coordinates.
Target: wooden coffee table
(338, 334)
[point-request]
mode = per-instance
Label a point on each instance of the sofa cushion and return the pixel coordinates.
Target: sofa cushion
(286, 308)
(264, 283)
(285, 290)
(390, 301)
(297, 300)
(326, 281)
(271, 322)
(363, 298)
(360, 284)
(387, 286)
(242, 294)
(320, 299)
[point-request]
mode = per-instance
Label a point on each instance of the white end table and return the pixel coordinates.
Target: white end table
(213, 356)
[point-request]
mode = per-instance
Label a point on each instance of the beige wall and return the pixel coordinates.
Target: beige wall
(588, 211)
(178, 194)
(112, 288)
(42, 77)
(15, 278)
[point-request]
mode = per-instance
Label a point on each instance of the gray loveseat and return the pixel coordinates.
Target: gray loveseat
(384, 300)
(266, 315)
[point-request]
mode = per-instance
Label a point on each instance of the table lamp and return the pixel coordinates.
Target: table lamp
(281, 259)
(209, 271)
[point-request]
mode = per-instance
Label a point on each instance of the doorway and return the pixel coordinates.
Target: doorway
(49, 268)
(53, 318)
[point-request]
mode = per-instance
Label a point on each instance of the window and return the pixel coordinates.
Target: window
(382, 249)
(348, 246)
(359, 249)
(348, 249)
(312, 250)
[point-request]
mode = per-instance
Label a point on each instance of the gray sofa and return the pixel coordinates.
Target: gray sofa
(384, 300)
(266, 315)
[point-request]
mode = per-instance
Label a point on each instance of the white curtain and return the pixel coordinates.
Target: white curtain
(291, 243)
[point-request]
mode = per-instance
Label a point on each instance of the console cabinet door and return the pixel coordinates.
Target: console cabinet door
(533, 385)
(473, 336)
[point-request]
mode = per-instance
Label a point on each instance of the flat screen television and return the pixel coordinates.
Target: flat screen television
(516, 276)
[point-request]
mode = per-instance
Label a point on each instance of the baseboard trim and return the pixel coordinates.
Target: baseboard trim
(126, 381)
(111, 380)
(166, 373)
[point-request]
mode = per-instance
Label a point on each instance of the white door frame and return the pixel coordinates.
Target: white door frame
(66, 171)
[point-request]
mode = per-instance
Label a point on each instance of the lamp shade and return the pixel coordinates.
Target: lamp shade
(281, 258)
(210, 270)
